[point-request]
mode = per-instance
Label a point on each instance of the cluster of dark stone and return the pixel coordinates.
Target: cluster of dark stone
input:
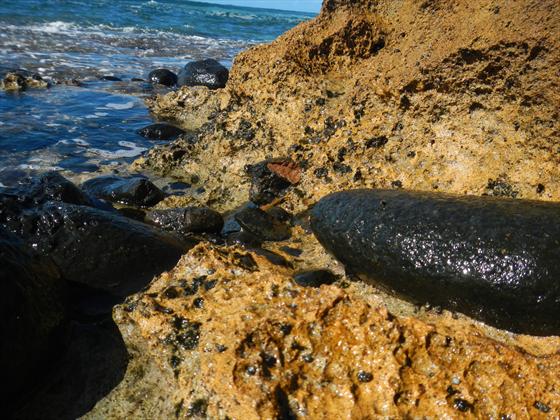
(209, 73)
(68, 254)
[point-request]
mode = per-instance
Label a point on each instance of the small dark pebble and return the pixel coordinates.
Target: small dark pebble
(160, 131)
(251, 370)
(376, 142)
(540, 189)
(280, 214)
(198, 303)
(308, 358)
(171, 292)
(246, 261)
(396, 184)
(162, 309)
(210, 284)
(462, 405)
(541, 406)
(268, 360)
(198, 408)
(286, 329)
(315, 278)
(262, 225)
(220, 348)
(110, 78)
(163, 77)
(187, 220)
(364, 376)
(174, 361)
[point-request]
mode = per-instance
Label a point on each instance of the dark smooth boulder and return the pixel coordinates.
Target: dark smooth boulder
(207, 73)
(262, 225)
(163, 77)
(494, 259)
(160, 131)
(100, 249)
(134, 191)
(32, 313)
(187, 220)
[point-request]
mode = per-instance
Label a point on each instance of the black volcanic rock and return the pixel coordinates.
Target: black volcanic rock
(494, 259)
(136, 191)
(207, 73)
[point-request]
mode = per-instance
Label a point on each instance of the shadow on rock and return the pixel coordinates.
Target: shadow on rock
(92, 364)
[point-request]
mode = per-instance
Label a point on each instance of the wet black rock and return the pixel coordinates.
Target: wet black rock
(160, 131)
(207, 73)
(315, 278)
(109, 78)
(187, 220)
(134, 191)
(163, 77)
(34, 192)
(266, 185)
(494, 259)
(100, 249)
(32, 311)
(280, 214)
(262, 225)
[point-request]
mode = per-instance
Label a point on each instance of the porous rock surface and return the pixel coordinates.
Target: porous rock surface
(453, 96)
(228, 335)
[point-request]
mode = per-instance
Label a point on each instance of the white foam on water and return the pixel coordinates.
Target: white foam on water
(101, 114)
(39, 167)
(80, 142)
(121, 153)
(126, 105)
(2, 185)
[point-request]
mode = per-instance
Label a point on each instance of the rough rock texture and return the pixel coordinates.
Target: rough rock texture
(448, 95)
(228, 334)
(452, 96)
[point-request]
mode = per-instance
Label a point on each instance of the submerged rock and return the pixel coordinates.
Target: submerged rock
(187, 220)
(32, 310)
(163, 77)
(160, 131)
(493, 259)
(135, 191)
(22, 80)
(207, 73)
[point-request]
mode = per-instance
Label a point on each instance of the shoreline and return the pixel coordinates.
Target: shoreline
(257, 319)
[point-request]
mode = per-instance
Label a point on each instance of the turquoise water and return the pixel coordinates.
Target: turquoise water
(77, 129)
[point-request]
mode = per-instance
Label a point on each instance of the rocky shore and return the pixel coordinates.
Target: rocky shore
(225, 302)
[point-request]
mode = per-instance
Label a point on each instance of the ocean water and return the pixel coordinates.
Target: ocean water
(78, 129)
